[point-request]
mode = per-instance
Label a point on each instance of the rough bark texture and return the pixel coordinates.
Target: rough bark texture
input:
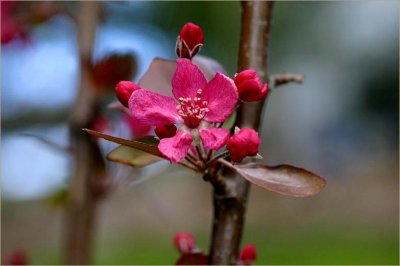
(87, 183)
(230, 204)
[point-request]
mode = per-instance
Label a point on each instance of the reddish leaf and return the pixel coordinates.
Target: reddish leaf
(192, 259)
(158, 76)
(131, 156)
(208, 66)
(283, 179)
(140, 145)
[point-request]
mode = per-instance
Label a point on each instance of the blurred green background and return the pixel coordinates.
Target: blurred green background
(342, 122)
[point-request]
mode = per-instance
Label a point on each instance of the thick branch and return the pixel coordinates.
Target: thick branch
(230, 205)
(87, 183)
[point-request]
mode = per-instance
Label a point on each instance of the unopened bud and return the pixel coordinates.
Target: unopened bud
(18, 257)
(248, 254)
(249, 86)
(166, 131)
(189, 41)
(124, 90)
(184, 242)
(243, 143)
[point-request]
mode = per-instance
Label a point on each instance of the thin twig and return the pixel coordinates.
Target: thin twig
(276, 80)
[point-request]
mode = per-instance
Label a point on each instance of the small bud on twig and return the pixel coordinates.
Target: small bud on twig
(189, 41)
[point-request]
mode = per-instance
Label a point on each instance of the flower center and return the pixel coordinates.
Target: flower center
(192, 110)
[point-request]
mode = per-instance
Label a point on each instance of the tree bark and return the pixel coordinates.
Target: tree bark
(230, 203)
(87, 183)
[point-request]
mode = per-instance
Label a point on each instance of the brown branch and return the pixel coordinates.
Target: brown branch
(276, 80)
(230, 204)
(88, 180)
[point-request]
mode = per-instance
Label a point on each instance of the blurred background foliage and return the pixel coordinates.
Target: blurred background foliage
(342, 122)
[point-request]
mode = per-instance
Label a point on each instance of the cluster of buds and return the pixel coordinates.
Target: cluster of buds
(185, 243)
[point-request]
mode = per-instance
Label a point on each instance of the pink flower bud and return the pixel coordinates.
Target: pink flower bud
(243, 143)
(184, 242)
(249, 86)
(124, 90)
(166, 131)
(189, 41)
(248, 254)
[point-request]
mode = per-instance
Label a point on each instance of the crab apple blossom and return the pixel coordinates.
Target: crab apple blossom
(124, 90)
(184, 242)
(248, 254)
(198, 104)
(189, 41)
(249, 86)
(243, 143)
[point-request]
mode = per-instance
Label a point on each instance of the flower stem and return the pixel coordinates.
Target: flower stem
(219, 156)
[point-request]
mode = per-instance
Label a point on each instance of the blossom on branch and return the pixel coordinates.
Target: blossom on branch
(198, 104)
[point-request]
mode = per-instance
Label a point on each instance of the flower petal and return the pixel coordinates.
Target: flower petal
(177, 147)
(187, 79)
(153, 109)
(221, 95)
(214, 138)
(138, 129)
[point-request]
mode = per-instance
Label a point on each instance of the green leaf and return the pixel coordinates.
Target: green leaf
(230, 121)
(132, 156)
(140, 145)
(283, 179)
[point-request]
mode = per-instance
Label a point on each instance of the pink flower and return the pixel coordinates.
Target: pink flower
(243, 143)
(248, 254)
(197, 105)
(189, 41)
(249, 86)
(124, 90)
(184, 242)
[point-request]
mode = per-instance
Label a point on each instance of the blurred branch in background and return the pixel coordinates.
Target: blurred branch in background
(87, 183)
